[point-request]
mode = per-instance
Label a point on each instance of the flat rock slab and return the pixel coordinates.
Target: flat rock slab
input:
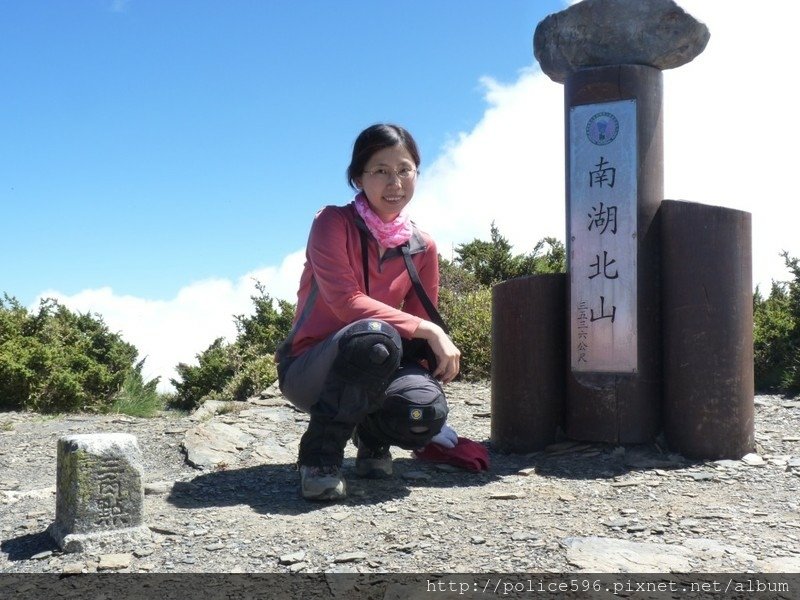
(781, 564)
(114, 562)
(213, 443)
(275, 453)
(606, 555)
(598, 33)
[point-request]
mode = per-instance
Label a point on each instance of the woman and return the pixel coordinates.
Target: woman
(343, 362)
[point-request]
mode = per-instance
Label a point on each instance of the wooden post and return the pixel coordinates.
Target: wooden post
(708, 330)
(608, 406)
(528, 354)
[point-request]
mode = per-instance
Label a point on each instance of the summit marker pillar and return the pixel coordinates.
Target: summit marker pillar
(609, 55)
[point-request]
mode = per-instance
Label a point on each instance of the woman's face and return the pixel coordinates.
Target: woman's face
(388, 181)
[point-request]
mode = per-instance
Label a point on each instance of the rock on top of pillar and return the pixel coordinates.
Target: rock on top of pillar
(598, 33)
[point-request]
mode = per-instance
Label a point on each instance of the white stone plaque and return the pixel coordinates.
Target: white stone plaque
(602, 233)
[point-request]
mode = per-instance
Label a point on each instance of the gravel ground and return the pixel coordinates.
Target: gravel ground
(573, 507)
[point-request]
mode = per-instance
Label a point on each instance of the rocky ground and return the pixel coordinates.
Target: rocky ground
(573, 507)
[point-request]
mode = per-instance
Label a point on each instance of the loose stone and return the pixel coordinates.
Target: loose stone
(350, 557)
(215, 547)
(294, 557)
(616, 523)
(701, 476)
(73, 568)
(507, 496)
(114, 562)
(157, 488)
(753, 460)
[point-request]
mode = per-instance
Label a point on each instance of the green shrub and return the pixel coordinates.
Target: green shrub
(17, 374)
(54, 360)
(488, 262)
(137, 397)
(548, 256)
(492, 262)
(456, 278)
(237, 371)
(255, 375)
(465, 298)
(469, 317)
(776, 334)
(772, 327)
(216, 366)
(268, 326)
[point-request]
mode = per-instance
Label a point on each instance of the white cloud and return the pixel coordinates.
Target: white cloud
(508, 169)
(730, 135)
(171, 331)
(730, 129)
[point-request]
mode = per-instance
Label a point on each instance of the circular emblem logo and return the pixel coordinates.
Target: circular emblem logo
(602, 128)
(416, 414)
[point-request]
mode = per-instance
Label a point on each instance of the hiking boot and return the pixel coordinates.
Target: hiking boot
(322, 483)
(373, 463)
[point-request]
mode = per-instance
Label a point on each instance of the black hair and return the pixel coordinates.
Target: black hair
(374, 139)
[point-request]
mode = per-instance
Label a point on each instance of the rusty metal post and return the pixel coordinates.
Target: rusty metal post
(707, 302)
(625, 407)
(528, 361)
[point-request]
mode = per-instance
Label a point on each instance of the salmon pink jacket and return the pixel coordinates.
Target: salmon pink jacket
(332, 287)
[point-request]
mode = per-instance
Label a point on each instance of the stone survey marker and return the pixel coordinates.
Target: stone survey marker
(99, 491)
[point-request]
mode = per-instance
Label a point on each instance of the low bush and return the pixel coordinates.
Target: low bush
(54, 360)
(469, 316)
(238, 370)
(465, 297)
(136, 397)
(216, 366)
(776, 334)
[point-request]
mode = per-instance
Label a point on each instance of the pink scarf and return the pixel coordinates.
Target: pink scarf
(389, 235)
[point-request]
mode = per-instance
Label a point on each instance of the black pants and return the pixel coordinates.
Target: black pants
(340, 396)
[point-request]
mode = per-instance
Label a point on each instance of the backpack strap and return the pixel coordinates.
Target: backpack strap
(365, 259)
(420, 289)
(433, 314)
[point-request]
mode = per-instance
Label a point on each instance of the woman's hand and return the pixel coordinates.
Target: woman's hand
(448, 357)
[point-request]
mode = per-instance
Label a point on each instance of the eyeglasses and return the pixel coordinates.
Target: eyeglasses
(386, 174)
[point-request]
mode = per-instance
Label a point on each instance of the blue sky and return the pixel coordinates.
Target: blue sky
(147, 144)
(158, 156)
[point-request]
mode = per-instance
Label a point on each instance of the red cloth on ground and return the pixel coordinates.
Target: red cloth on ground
(466, 454)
